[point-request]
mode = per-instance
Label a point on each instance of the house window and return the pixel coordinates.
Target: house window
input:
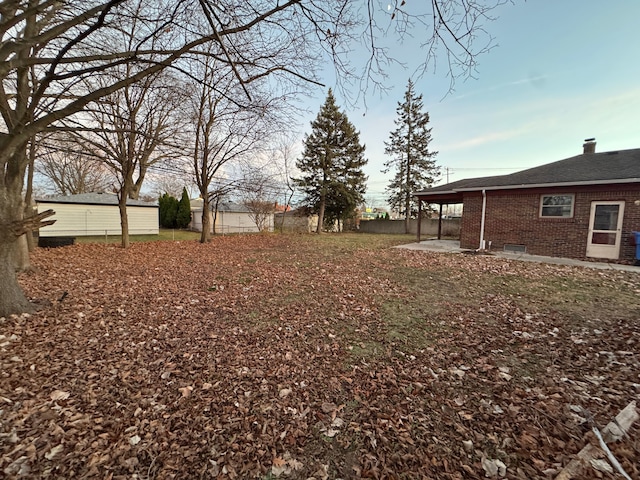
(559, 206)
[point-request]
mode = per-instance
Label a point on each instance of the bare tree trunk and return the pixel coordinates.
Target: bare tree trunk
(205, 236)
(407, 219)
(20, 249)
(134, 194)
(13, 226)
(407, 195)
(12, 299)
(28, 196)
(124, 219)
(21, 253)
(287, 201)
(321, 213)
(286, 150)
(215, 215)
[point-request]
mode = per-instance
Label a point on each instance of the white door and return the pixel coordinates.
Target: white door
(605, 229)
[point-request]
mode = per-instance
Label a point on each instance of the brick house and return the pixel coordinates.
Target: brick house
(585, 206)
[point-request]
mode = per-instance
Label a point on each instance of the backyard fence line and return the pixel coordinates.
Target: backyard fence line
(429, 226)
(95, 232)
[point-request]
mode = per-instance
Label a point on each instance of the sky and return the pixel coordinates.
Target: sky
(561, 71)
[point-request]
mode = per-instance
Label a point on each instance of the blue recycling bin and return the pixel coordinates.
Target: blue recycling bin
(636, 238)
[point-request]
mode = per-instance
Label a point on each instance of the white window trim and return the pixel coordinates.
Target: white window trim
(573, 204)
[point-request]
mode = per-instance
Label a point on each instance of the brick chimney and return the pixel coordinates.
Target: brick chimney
(589, 145)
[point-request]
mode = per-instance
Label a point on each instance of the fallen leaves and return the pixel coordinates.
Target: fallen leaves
(51, 454)
(285, 465)
(58, 395)
(312, 360)
(186, 391)
(493, 468)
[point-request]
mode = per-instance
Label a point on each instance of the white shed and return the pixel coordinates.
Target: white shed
(92, 214)
(231, 218)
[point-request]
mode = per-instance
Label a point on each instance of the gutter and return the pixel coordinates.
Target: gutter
(142, 204)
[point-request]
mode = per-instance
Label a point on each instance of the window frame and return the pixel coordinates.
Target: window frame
(542, 205)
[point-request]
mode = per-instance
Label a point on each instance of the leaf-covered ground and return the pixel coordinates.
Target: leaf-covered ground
(313, 357)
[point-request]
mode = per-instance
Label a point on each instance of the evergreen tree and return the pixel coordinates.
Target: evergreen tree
(183, 214)
(332, 161)
(168, 210)
(162, 208)
(414, 165)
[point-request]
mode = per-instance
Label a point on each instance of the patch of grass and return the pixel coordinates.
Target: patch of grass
(245, 279)
(369, 349)
(407, 326)
(330, 243)
(412, 323)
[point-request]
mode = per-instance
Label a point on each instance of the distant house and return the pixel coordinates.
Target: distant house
(89, 214)
(579, 207)
(231, 217)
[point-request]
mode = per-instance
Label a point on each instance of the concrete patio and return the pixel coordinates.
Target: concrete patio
(453, 246)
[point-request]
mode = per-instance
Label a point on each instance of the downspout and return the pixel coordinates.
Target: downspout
(484, 211)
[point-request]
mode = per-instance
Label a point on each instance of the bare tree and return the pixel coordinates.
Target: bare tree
(283, 159)
(224, 132)
(133, 131)
(171, 184)
(49, 49)
(69, 170)
(260, 212)
(214, 197)
(259, 192)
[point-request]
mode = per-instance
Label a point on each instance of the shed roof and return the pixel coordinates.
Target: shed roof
(223, 206)
(586, 169)
(232, 207)
(93, 199)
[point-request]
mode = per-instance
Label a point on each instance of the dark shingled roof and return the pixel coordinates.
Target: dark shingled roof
(223, 206)
(93, 199)
(232, 207)
(585, 169)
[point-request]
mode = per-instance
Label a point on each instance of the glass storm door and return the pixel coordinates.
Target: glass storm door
(605, 229)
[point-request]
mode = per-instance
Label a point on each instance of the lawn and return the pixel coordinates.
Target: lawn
(163, 234)
(303, 356)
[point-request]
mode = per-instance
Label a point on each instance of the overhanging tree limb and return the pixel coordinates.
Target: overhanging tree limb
(209, 12)
(32, 223)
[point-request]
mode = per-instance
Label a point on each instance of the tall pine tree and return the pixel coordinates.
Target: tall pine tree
(331, 165)
(183, 214)
(168, 209)
(414, 165)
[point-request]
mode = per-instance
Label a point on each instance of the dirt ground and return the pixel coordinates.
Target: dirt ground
(305, 357)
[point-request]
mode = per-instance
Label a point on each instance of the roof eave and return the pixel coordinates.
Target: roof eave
(439, 192)
(550, 185)
(61, 202)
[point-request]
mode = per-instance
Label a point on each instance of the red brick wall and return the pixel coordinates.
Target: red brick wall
(513, 218)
